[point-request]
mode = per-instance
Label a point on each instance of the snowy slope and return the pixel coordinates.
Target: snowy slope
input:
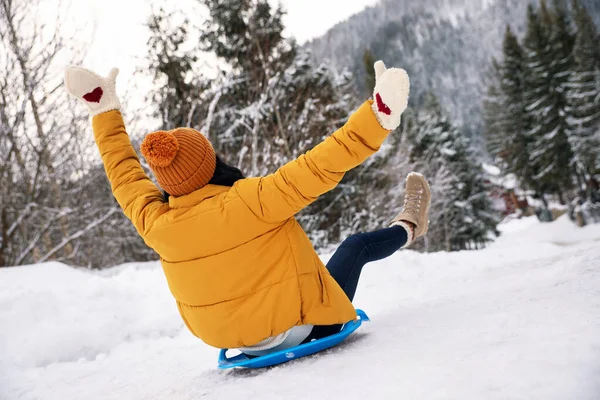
(519, 320)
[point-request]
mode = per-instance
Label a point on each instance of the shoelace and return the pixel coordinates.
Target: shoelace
(412, 203)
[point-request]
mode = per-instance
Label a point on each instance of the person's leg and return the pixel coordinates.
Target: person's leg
(347, 262)
(357, 250)
(412, 222)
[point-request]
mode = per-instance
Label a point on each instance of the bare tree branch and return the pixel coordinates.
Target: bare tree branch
(78, 234)
(40, 233)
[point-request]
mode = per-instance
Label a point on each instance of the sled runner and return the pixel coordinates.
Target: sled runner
(292, 353)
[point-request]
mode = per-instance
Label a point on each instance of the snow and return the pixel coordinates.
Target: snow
(491, 169)
(518, 320)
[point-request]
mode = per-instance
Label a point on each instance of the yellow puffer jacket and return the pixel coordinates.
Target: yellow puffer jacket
(237, 262)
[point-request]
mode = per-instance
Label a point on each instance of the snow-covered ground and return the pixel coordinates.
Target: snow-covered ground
(518, 320)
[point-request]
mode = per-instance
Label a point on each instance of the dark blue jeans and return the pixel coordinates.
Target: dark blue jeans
(347, 262)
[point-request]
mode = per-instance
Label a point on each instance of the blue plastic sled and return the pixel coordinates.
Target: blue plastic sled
(292, 353)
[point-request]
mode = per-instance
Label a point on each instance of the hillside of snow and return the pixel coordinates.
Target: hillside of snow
(518, 320)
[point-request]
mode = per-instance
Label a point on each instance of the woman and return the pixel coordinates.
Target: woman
(242, 270)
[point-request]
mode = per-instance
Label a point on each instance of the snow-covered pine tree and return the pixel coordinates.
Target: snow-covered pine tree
(462, 216)
(274, 103)
(495, 115)
(584, 97)
(507, 122)
(178, 90)
(548, 69)
(369, 61)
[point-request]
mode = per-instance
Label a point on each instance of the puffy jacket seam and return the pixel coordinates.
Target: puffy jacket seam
(239, 196)
(220, 252)
(287, 235)
(191, 208)
(196, 205)
(244, 295)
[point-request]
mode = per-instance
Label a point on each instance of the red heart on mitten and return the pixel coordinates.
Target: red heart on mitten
(381, 106)
(94, 96)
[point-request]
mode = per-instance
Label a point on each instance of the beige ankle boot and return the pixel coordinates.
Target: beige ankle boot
(417, 200)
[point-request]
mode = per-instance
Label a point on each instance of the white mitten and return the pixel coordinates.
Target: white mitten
(391, 95)
(97, 93)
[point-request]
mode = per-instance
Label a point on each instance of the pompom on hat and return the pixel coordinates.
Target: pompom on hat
(183, 159)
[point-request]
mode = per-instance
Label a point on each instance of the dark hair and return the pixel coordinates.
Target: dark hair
(224, 175)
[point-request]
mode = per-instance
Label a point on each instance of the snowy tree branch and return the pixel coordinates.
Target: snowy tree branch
(78, 234)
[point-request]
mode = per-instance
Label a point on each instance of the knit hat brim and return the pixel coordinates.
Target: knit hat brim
(198, 180)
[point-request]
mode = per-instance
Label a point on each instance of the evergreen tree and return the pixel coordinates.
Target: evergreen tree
(495, 115)
(369, 62)
(461, 212)
(548, 70)
(562, 32)
(248, 35)
(274, 103)
(506, 119)
(584, 97)
(179, 90)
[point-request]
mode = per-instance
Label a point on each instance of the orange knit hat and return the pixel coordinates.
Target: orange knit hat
(183, 159)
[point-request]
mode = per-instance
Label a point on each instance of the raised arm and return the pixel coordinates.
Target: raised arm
(279, 196)
(139, 198)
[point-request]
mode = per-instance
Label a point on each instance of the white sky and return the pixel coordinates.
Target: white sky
(118, 36)
(311, 18)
